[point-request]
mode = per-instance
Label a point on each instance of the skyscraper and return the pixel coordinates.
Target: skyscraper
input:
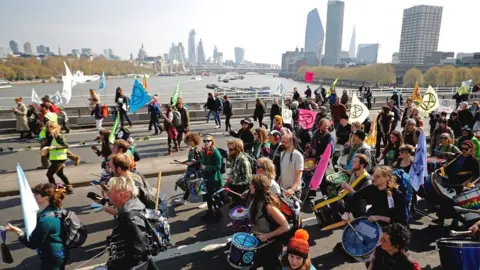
(352, 44)
(215, 54)
(14, 46)
(239, 55)
(420, 33)
(27, 48)
(41, 49)
(201, 53)
(333, 42)
(181, 53)
(192, 59)
(367, 53)
(314, 34)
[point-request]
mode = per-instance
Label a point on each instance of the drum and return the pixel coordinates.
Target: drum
(342, 161)
(240, 219)
(197, 186)
(434, 163)
(371, 233)
(338, 151)
(181, 183)
(435, 190)
(469, 199)
(309, 164)
(335, 180)
(327, 214)
(242, 250)
(220, 199)
(459, 254)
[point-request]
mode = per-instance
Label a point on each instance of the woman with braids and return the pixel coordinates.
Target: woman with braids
(46, 237)
(392, 149)
(388, 203)
(392, 252)
(267, 222)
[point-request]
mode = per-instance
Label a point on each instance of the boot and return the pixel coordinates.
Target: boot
(69, 189)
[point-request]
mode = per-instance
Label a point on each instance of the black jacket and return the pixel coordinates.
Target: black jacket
(466, 118)
(129, 238)
(246, 136)
(259, 111)
(210, 105)
(275, 110)
(227, 108)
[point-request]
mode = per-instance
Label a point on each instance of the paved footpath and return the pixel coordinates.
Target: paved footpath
(195, 245)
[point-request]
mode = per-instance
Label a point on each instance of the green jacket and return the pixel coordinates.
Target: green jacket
(46, 239)
(241, 171)
(213, 164)
(476, 146)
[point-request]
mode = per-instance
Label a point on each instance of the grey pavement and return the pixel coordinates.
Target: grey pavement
(196, 245)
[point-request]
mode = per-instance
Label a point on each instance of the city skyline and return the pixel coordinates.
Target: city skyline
(58, 25)
(334, 36)
(314, 34)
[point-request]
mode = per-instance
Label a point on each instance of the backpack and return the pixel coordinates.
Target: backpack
(404, 185)
(177, 119)
(73, 232)
(104, 111)
(291, 211)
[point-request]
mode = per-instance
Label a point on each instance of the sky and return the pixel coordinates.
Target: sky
(265, 28)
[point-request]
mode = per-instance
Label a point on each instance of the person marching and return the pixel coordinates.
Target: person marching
(297, 256)
(228, 112)
(185, 119)
(410, 133)
(211, 163)
(57, 154)
(123, 105)
(261, 146)
(274, 111)
(46, 238)
(266, 167)
(245, 134)
(384, 127)
(291, 166)
(268, 222)
(240, 172)
(359, 146)
(446, 148)
(21, 114)
(194, 156)
(360, 176)
(171, 130)
(276, 148)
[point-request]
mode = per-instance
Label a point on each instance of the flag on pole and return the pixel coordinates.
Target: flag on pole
(286, 114)
(371, 139)
(358, 111)
(416, 97)
(35, 98)
(281, 89)
(145, 81)
(430, 101)
(175, 95)
(468, 83)
(140, 97)
(332, 87)
(29, 205)
(103, 83)
(306, 118)
(115, 128)
(418, 171)
(321, 168)
(309, 76)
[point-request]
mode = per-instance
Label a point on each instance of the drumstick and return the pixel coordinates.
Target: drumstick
(228, 190)
(358, 235)
(335, 225)
(295, 198)
(464, 210)
(457, 233)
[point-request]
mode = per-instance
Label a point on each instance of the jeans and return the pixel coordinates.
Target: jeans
(123, 115)
(227, 122)
(153, 122)
(216, 115)
(56, 167)
(208, 115)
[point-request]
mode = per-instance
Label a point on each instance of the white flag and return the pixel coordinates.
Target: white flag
(358, 111)
(35, 98)
(56, 98)
(29, 205)
(286, 114)
(430, 101)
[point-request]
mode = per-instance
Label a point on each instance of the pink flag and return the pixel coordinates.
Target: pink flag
(306, 118)
(309, 76)
(321, 168)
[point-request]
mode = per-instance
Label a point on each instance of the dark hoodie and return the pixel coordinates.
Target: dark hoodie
(129, 236)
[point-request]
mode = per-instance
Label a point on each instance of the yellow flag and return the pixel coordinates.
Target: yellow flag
(332, 87)
(430, 101)
(372, 137)
(416, 97)
(145, 81)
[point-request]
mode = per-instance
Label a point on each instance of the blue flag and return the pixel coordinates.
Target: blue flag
(29, 205)
(139, 97)
(418, 171)
(103, 84)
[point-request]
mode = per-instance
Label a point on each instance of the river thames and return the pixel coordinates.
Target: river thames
(190, 90)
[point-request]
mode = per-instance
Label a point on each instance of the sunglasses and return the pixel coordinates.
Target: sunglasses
(205, 141)
(465, 149)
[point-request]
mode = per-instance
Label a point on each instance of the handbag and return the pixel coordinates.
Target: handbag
(6, 255)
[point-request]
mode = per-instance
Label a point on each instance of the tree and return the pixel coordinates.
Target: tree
(430, 77)
(7, 73)
(412, 76)
(446, 76)
(463, 74)
(475, 75)
(381, 73)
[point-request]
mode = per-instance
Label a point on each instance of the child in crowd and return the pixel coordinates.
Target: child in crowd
(297, 255)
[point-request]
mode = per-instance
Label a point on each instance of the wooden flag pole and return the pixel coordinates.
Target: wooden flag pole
(159, 181)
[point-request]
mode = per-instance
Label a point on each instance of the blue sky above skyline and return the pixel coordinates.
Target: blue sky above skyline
(265, 28)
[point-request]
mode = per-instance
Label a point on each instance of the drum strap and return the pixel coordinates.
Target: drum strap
(344, 193)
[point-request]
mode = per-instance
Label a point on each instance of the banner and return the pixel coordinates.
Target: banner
(306, 118)
(29, 205)
(175, 95)
(309, 76)
(68, 84)
(358, 111)
(332, 87)
(416, 97)
(56, 98)
(371, 139)
(145, 81)
(286, 114)
(35, 98)
(103, 82)
(115, 128)
(139, 97)
(447, 105)
(317, 177)
(430, 101)
(418, 171)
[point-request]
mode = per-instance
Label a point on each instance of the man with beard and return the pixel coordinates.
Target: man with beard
(276, 149)
(359, 147)
(360, 176)
(291, 165)
(241, 171)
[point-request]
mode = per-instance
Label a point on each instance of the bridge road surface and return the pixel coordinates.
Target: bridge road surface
(156, 146)
(196, 245)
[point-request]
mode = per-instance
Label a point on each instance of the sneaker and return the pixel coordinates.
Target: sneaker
(203, 205)
(69, 189)
(218, 127)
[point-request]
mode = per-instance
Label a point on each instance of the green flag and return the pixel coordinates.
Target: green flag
(332, 87)
(175, 94)
(114, 132)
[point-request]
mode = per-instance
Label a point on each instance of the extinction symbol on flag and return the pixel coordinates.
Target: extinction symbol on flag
(306, 118)
(358, 111)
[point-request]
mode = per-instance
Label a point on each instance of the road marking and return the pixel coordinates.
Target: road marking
(205, 246)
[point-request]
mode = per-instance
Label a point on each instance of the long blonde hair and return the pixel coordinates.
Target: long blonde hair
(54, 128)
(387, 172)
(268, 167)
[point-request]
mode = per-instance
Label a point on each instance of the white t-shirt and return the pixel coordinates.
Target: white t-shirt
(290, 163)
(274, 187)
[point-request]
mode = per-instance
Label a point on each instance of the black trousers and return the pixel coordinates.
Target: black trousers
(56, 167)
(380, 138)
(124, 115)
(227, 122)
(369, 103)
(154, 122)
